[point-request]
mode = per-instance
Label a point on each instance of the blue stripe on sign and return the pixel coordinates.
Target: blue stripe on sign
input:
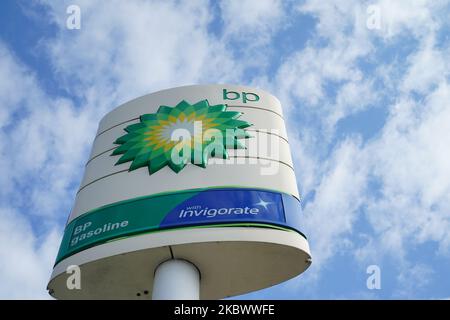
(236, 205)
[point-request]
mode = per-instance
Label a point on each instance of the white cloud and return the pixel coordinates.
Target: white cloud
(305, 74)
(333, 19)
(325, 77)
(252, 20)
(330, 217)
(43, 144)
(127, 49)
(25, 259)
(44, 139)
(407, 159)
(10, 96)
(428, 67)
(412, 279)
(411, 161)
(419, 18)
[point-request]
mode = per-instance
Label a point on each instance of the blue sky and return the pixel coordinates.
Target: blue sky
(365, 88)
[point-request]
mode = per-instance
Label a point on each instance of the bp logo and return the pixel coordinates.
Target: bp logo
(175, 136)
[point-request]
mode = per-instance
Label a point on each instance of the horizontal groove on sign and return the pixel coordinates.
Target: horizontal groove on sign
(116, 125)
(250, 130)
(236, 157)
(137, 118)
(266, 225)
(259, 108)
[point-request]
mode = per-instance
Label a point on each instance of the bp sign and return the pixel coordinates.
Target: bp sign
(202, 173)
(204, 131)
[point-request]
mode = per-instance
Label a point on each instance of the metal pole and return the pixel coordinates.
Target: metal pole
(176, 280)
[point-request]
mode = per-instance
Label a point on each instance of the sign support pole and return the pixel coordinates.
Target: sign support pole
(176, 280)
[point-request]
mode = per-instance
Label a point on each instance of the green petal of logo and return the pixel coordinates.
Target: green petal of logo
(177, 135)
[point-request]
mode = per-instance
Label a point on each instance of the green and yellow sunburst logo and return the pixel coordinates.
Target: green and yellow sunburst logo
(175, 136)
